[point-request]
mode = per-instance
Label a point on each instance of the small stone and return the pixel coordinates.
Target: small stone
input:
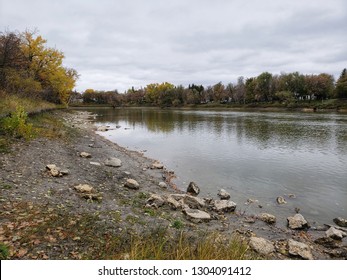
(163, 185)
(281, 200)
(261, 245)
(155, 201)
(297, 222)
(51, 166)
(335, 233)
(132, 184)
(113, 162)
(174, 204)
(224, 206)
(64, 172)
(223, 194)
(85, 155)
(296, 248)
(102, 128)
(340, 222)
(157, 165)
(193, 188)
(267, 218)
(193, 202)
(55, 172)
(84, 188)
(95, 163)
(196, 215)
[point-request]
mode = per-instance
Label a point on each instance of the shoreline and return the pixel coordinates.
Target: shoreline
(135, 210)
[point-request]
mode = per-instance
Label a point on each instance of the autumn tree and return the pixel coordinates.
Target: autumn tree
(341, 85)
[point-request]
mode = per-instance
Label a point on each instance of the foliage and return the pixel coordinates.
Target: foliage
(341, 85)
(4, 251)
(31, 69)
(16, 124)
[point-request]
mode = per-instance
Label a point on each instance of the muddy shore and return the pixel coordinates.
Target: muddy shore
(25, 178)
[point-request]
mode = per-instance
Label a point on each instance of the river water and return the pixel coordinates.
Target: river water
(252, 155)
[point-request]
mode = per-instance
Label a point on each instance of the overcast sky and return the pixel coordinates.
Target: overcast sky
(119, 44)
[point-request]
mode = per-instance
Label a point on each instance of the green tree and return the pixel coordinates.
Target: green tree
(341, 85)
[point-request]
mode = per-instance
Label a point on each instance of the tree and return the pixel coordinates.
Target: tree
(341, 85)
(264, 87)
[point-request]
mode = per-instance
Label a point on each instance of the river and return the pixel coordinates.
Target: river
(252, 155)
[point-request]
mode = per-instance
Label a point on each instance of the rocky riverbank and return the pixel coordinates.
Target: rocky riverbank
(82, 173)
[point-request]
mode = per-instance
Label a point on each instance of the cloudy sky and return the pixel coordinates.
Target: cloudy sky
(118, 44)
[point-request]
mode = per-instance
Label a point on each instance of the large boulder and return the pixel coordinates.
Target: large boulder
(297, 222)
(340, 222)
(335, 233)
(267, 218)
(193, 189)
(223, 194)
(224, 205)
(196, 215)
(113, 162)
(300, 249)
(261, 245)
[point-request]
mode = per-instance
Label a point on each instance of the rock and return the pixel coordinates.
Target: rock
(157, 165)
(84, 188)
(224, 206)
(85, 155)
(132, 184)
(118, 126)
(55, 172)
(340, 222)
(296, 248)
(113, 162)
(51, 166)
(335, 233)
(64, 172)
(163, 185)
(193, 189)
(92, 196)
(174, 204)
(281, 200)
(261, 245)
(267, 218)
(249, 220)
(196, 215)
(327, 242)
(194, 202)
(102, 128)
(95, 163)
(291, 195)
(297, 222)
(155, 201)
(223, 194)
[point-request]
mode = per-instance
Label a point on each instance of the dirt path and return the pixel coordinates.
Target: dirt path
(44, 217)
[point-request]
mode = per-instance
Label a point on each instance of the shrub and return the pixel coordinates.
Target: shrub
(16, 124)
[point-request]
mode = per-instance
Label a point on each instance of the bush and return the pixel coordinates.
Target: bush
(16, 124)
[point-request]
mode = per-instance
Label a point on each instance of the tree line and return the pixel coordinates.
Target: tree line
(285, 88)
(28, 68)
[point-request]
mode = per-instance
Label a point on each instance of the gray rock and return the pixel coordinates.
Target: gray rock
(174, 204)
(132, 184)
(193, 188)
(340, 222)
(194, 202)
(84, 188)
(51, 166)
(196, 215)
(223, 194)
(281, 200)
(297, 222)
(113, 162)
(85, 155)
(335, 233)
(95, 163)
(296, 248)
(155, 201)
(64, 172)
(267, 218)
(261, 245)
(102, 128)
(224, 206)
(163, 185)
(157, 165)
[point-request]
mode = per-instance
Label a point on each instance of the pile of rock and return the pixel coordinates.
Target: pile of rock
(56, 171)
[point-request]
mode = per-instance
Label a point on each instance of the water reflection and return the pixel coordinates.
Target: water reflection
(257, 155)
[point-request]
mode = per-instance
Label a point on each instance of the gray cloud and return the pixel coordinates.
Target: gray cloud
(119, 44)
